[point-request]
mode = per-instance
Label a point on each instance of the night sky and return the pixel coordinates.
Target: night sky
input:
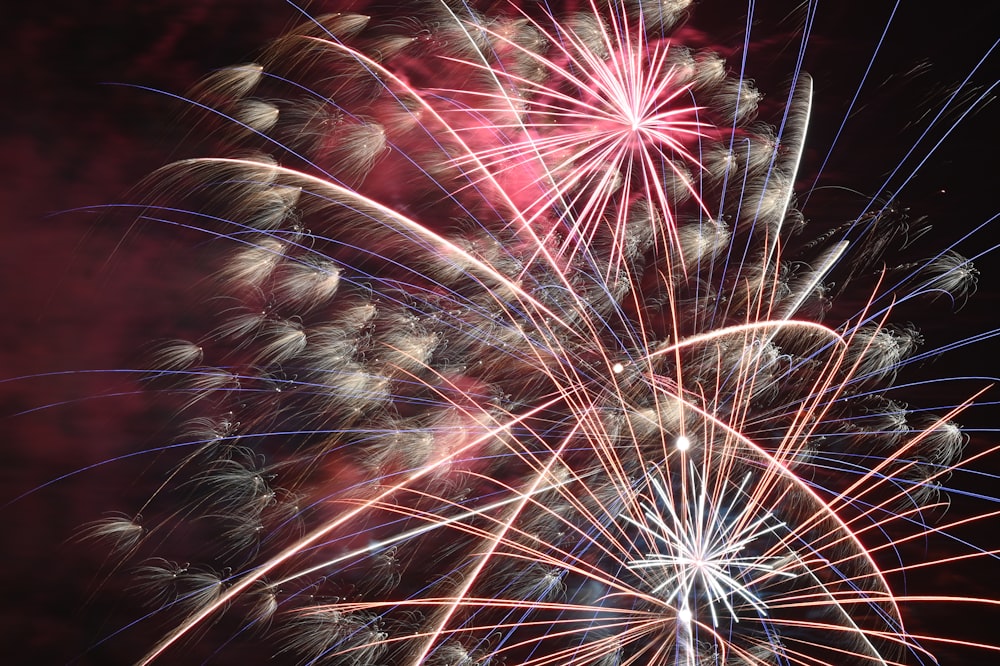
(84, 290)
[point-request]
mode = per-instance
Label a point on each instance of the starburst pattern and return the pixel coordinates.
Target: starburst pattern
(522, 359)
(705, 547)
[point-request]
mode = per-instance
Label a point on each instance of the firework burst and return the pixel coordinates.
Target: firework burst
(523, 357)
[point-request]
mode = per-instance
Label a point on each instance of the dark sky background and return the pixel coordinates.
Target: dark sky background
(82, 291)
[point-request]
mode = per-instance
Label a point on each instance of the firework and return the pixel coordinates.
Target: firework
(525, 355)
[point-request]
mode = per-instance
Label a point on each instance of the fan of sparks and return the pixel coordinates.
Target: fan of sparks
(520, 361)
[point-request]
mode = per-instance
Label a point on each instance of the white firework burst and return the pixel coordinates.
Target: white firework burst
(699, 548)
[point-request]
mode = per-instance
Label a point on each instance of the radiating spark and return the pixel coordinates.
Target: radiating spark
(697, 549)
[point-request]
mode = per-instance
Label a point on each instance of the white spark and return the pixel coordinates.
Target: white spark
(703, 541)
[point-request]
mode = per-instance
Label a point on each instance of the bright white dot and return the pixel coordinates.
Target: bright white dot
(617, 368)
(685, 616)
(683, 443)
